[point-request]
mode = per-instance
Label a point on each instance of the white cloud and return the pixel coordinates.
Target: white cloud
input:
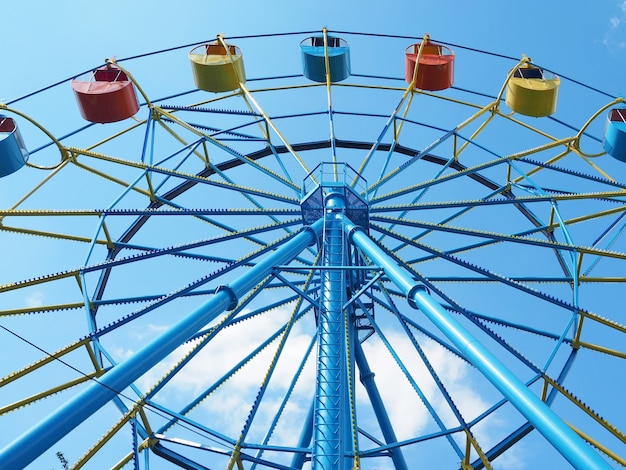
(146, 332)
(230, 405)
(400, 397)
(224, 352)
(408, 414)
(35, 300)
(614, 37)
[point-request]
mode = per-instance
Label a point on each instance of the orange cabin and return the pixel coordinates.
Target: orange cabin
(109, 97)
(436, 66)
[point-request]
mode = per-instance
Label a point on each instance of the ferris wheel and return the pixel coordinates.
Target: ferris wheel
(327, 250)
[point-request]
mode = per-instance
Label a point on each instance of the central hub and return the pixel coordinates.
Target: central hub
(329, 181)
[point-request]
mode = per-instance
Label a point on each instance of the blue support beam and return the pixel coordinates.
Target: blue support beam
(30, 445)
(306, 434)
(179, 460)
(571, 446)
(367, 379)
(330, 396)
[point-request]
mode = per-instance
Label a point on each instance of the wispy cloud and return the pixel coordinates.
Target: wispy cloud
(230, 405)
(454, 373)
(35, 300)
(615, 37)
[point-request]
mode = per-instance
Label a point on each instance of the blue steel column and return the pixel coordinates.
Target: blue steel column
(26, 448)
(329, 417)
(299, 459)
(367, 379)
(575, 450)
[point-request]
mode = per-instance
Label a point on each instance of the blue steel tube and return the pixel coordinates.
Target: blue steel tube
(569, 444)
(298, 460)
(329, 417)
(30, 445)
(367, 379)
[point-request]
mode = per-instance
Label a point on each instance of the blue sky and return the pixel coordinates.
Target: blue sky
(50, 42)
(46, 41)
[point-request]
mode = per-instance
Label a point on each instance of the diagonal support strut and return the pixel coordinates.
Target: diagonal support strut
(540, 415)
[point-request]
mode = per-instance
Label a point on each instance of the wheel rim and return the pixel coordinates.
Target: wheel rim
(515, 237)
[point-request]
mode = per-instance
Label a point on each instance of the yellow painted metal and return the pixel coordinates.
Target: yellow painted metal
(507, 237)
(274, 128)
(586, 409)
(31, 282)
(472, 169)
(535, 97)
(236, 454)
(599, 112)
(602, 349)
(472, 442)
(62, 149)
(271, 124)
(408, 92)
(541, 167)
(145, 444)
(596, 215)
(112, 137)
(605, 321)
(47, 308)
(329, 94)
(251, 162)
(520, 199)
(105, 438)
(602, 280)
(111, 178)
(204, 157)
(544, 391)
(579, 330)
(107, 234)
(167, 171)
(37, 187)
(92, 356)
(132, 79)
(234, 458)
(239, 75)
(556, 197)
(600, 447)
(123, 462)
(356, 463)
(217, 67)
(146, 424)
(594, 166)
(42, 362)
(55, 235)
(51, 391)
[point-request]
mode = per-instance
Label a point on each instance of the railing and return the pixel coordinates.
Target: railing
(333, 175)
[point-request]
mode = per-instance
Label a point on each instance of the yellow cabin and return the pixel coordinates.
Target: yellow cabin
(531, 92)
(216, 69)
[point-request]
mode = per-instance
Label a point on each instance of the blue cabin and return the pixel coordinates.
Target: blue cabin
(314, 61)
(13, 153)
(615, 134)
